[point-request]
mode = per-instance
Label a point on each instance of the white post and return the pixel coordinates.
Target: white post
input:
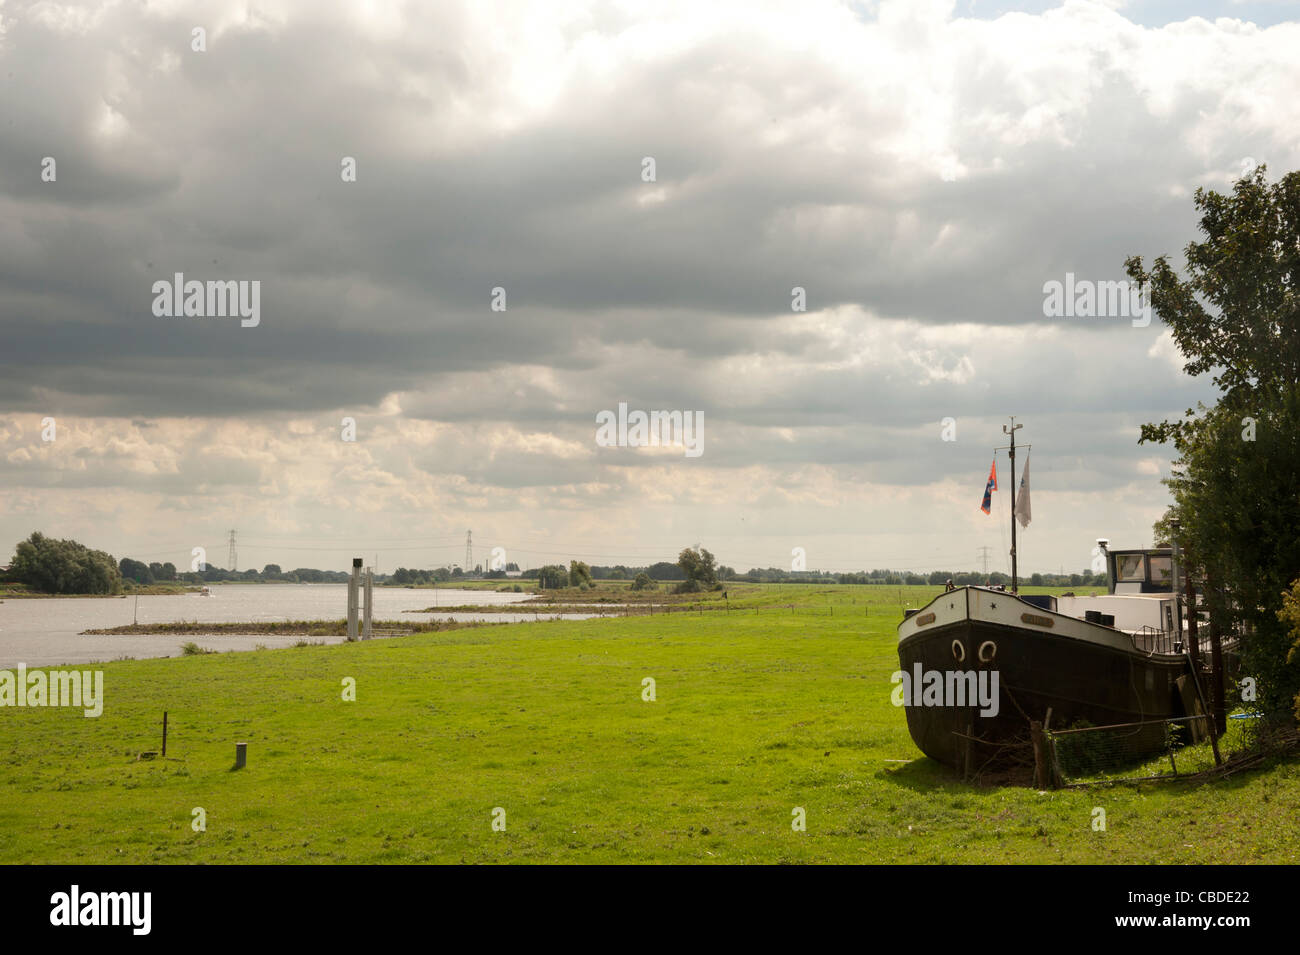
(352, 598)
(370, 599)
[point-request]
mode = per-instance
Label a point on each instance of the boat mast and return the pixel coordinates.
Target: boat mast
(1015, 586)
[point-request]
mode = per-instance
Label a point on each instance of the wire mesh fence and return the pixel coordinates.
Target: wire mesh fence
(1151, 749)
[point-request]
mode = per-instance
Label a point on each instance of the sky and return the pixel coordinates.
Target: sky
(477, 226)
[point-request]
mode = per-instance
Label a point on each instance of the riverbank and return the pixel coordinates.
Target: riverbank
(24, 592)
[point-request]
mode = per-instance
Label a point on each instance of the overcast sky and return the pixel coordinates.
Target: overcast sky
(919, 169)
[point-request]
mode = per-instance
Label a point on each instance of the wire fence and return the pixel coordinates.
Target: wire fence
(1150, 749)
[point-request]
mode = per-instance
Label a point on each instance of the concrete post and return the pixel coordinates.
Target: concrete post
(353, 581)
(370, 600)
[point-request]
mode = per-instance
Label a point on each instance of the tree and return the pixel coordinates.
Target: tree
(271, 572)
(642, 581)
(1289, 615)
(699, 567)
(64, 567)
(579, 574)
(135, 570)
(665, 571)
(1236, 481)
(1247, 332)
(552, 577)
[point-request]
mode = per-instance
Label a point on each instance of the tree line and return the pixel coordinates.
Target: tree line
(68, 567)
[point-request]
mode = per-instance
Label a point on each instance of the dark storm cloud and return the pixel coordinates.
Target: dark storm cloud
(225, 164)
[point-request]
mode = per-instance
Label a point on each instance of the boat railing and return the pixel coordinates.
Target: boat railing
(1156, 640)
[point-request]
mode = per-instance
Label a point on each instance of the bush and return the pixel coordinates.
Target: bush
(643, 581)
(192, 649)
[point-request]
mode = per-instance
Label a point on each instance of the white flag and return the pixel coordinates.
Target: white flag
(1023, 512)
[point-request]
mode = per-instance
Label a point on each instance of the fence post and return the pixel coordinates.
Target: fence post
(1044, 778)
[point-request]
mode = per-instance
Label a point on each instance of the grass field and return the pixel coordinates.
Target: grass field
(757, 712)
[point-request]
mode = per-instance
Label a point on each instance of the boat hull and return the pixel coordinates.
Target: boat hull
(1080, 671)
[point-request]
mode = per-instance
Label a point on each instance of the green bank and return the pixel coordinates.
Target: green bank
(546, 728)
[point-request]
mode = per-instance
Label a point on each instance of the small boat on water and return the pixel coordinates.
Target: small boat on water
(981, 663)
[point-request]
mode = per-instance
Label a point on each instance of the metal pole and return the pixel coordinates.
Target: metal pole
(1013, 511)
(1015, 585)
(1178, 598)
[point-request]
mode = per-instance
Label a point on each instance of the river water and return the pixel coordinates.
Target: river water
(48, 631)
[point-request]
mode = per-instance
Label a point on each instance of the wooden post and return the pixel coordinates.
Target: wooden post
(1042, 770)
(1054, 778)
(241, 755)
(164, 749)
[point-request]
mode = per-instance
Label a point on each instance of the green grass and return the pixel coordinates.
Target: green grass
(756, 713)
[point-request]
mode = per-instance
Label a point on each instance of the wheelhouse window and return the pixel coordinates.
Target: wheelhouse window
(1128, 567)
(1162, 570)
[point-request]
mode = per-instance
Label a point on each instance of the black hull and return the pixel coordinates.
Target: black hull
(1076, 679)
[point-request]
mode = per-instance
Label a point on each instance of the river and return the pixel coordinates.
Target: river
(48, 631)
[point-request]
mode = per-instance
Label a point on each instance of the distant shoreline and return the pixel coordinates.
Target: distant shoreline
(287, 628)
(152, 590)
